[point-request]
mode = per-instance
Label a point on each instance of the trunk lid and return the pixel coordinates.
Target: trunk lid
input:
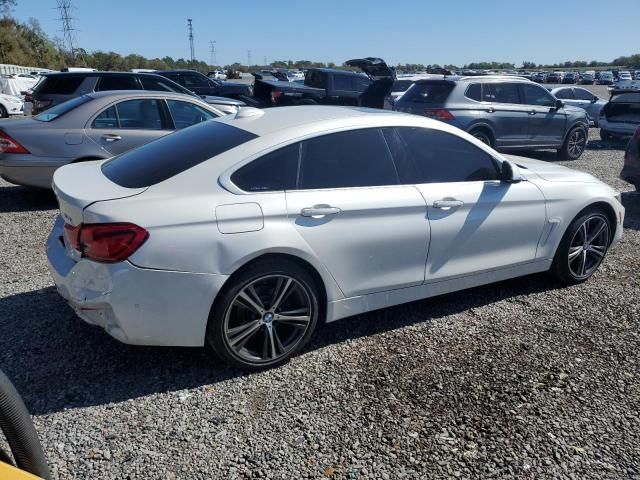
(375, 68)
(381, 74)
(81, 184)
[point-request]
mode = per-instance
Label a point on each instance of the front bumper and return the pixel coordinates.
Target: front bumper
(134, 305)
(30, 170)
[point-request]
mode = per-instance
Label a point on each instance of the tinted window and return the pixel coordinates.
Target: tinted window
(191, 80)
(172, 154)
(534, 95)
(474, 92)
(55, 112)
(314, 79)
(107, 119)
(401, 85)
(442, 157)
(185, 114)
(113, 82)
(343, 82)
(357, 158)
(565, 94)
(143, 114)
(582, 94)
(500, 93)
(361, 83)
(158, 85)
(63, 85)
(274, 171)
(430, 93)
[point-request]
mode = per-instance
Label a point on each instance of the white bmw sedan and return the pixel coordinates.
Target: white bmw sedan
(245, 232)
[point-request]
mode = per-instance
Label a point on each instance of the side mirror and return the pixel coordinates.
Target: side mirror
(559, 104)
(594, 99)
(510, 173)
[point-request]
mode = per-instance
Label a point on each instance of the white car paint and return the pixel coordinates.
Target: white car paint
(388, 245)
(12, 105)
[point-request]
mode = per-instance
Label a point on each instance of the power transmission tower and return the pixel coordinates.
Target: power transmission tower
(68, 35)
(265, 60)
(190, 26)
(248, 58)
(212, 46)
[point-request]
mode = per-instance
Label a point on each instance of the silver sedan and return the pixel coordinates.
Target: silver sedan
(91, 127)
(581, 98)
(247, 231)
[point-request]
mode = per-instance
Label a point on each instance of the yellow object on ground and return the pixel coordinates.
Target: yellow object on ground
(8, 472)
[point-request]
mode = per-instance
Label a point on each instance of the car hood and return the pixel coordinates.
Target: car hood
(375, 68)
(550, 171)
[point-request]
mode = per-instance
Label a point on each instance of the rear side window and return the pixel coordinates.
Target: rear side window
(357, 158)
(274, 171)
(158, 85)
(500, 93)
(439, 157)
(401, 85)
(315, 79)
(474, 92)
(140, 114)
(565, 94)
(429, 93)
(58, 110)
(63, 85)
(114, 82)
(343, 82)
(173, 154)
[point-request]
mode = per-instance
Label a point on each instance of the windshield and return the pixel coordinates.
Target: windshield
(59, 110)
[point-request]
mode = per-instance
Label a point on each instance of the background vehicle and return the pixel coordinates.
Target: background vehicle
(92, 126)
(297, 229)
(56, 88)
(631, 170)
(624, 75)
(570, 77)
(10, 105)
(202, 85)
(606, 78)
(539, 77)
(328, 86)
(587, 78)
(582, 98)
(217, 75)
(621, 115)
(554, 77)
(507, 113)
(636, 75)
(402, 84)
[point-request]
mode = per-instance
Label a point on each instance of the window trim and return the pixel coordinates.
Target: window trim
(466, 90)
(523, 97)
(165, 118)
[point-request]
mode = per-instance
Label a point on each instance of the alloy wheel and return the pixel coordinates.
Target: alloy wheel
(268, 318)
(577, 142)
(588, 246)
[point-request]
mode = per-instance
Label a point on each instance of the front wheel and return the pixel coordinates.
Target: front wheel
(582, 248)
(265, 316)
(574, 144)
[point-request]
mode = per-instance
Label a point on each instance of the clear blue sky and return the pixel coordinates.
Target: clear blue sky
(410, 31)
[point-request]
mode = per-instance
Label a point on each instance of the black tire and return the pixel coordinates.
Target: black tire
(3, 112)
(574, 144)
(226, 312)
(483, 136)
(563, 267)
(605, 136)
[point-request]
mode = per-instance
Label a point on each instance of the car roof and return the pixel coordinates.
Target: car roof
(180, 70)
(143, 94)
(98, 74)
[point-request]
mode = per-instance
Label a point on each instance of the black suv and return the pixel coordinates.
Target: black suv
(203, 85)
(55, 88)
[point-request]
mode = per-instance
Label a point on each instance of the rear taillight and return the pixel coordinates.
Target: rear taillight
(9, 145)
(439, 114)
(275, 96)
(106, 242)
(636, 134)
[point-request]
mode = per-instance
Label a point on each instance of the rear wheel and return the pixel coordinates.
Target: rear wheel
(583, 247)
(483, 136)
(574, 144)
(265, 316)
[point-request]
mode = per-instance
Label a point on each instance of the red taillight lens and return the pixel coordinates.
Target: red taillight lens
(106, 242)
(28, 98)
(439, 114)
(9, 145)
(275, 96)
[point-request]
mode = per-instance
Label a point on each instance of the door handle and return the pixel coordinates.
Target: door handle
(491, 110)
(453, 203)
(532, 112)
(111, 138)
(319, 211)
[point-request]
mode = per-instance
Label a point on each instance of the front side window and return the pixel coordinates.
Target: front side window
(501, 93)
(357, 158)
(275, 171)
(185, 114)
(439, 157)
(113, 82)
(534, 95)
(141, 114)
(582, 94)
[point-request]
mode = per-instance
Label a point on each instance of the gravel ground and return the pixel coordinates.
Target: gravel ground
(524, 379)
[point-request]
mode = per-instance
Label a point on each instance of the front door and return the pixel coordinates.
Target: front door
(546, 122)
(503, 109)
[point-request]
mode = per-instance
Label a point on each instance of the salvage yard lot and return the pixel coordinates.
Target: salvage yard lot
(523, 378)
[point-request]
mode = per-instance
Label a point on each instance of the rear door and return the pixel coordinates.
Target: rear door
(503, 108)
(546, 122)
(370, 232)
(477, 222)
(129, 124)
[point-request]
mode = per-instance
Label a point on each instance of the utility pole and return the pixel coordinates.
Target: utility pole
(190, 26)
(248, 58)
(212, 47)
(64, 6)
